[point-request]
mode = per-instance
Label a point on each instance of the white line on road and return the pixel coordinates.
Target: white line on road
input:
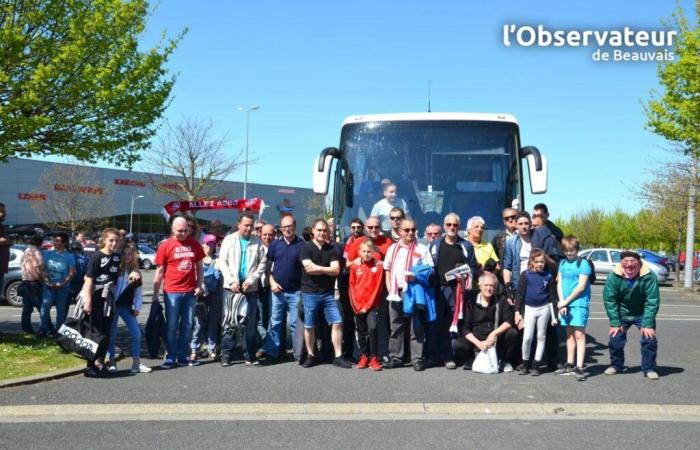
(173, 412)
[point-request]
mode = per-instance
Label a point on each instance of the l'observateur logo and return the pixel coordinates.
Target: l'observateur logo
(625, 44)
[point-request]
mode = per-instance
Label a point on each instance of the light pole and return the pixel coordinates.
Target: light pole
(247, 135)
(131, 214)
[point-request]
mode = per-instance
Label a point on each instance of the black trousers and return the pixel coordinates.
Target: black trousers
(366, 329)
(102, 324)
(506, 346)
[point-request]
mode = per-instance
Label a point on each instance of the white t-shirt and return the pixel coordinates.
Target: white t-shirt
(382, 208)
(525, 250)
(421, 255)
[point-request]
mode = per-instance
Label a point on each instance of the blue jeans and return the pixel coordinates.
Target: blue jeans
(49, 298)
(251, 329)
(134, 331)
(179, 314)
(617, 347)
(282, 303)
(325, 302)
(207, 319)
(31, 293)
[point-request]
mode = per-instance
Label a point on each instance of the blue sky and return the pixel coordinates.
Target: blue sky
(309, 64)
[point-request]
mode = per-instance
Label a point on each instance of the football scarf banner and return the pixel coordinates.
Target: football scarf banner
(252, 204)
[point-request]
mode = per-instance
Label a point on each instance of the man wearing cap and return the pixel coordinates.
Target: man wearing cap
(631, 297)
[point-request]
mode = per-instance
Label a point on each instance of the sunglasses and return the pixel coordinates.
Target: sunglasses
(395, 217)
(372, 227)
(258, 228)
(433, 234)
(409, 230)
(357, 227)
(452, 225)
(536, 215)
(509, 218)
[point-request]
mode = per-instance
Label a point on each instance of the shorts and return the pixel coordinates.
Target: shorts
(576, 316)
(314, 302)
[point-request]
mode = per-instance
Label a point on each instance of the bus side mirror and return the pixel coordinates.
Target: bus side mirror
(537, 168)
(321, 177)
(538, 178)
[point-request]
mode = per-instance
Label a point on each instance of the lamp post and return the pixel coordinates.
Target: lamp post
(247, 135)
(131, 214)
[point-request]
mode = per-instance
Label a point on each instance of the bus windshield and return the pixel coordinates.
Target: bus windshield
(430, 168)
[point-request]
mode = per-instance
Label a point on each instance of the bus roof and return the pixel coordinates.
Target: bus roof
(427, 116)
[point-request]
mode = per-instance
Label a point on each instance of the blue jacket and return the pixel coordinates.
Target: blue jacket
(467, 250)
(419, 292)
(540, 238)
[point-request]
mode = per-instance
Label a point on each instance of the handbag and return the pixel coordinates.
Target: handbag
(78, 336)
(486, 361)
(155, 330)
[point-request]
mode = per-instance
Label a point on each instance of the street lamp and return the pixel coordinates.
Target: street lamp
(131, 214)
(247, 135)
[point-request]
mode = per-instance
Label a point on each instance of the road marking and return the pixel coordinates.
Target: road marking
(173, 412)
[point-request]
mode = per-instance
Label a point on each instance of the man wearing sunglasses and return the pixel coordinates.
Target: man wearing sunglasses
(448, 252)
(499, 242)
(400, 259)
(432, 232)
(396, 215)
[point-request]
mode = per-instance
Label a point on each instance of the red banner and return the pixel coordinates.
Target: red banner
(252, 204)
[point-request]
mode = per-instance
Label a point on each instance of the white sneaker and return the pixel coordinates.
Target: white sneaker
(140, 368)
(652, 375)
(112, 367)
(610, 371)
(508, 368)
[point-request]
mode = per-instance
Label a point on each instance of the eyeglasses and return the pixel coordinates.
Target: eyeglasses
(509, 218)
(356, 227)
(409, 230)
(372, 227)
(395, 217)
(432, 234)
(452, 225)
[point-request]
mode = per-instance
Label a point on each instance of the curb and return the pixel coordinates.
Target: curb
(34, 379)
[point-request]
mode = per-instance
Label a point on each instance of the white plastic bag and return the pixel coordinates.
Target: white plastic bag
(486, 362)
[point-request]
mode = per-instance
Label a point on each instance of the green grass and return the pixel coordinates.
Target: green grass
(22, 355)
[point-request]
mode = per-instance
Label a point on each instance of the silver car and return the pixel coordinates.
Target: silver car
(605, 260)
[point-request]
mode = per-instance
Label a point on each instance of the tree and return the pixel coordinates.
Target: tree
(191, 162)
(675, 114)
(587, 227)
(73, 81)
(72, 197)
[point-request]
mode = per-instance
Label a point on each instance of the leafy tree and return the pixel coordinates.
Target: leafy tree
(74, 82)
(675, 114)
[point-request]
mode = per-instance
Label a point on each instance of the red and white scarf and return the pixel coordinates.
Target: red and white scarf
(393, 278)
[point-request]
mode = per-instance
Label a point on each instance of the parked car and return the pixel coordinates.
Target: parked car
(648, 255)
(147, 256)
(605, 260)
(10, 284)
(13, 277)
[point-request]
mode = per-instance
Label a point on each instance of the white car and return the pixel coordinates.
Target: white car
(605, 260)
(147, 256)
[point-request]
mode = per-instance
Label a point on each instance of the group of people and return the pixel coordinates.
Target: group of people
(399, 301)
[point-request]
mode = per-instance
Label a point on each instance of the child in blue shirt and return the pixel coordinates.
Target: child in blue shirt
(574, 293)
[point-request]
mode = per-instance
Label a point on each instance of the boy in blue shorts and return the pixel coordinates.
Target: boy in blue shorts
(574, 291)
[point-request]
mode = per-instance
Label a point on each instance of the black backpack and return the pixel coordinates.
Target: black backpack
(592, 277)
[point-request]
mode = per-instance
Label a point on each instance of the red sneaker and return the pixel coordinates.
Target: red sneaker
(363, 362)
(374, 364)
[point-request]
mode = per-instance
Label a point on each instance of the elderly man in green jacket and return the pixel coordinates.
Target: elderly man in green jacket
(631, 297)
